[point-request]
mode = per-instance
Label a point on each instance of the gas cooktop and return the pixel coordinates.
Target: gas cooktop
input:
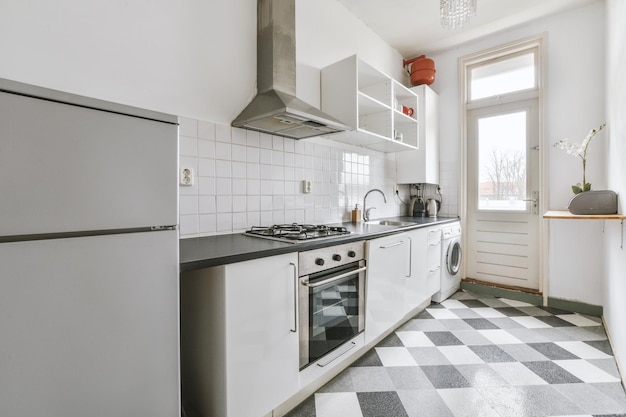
(294, 233)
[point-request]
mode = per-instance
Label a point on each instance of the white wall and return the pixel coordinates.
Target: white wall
(190, 58)
(198, 60)
(615, 255)
(574, 103)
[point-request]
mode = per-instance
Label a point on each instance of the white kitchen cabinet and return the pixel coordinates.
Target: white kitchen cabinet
(239, 343)
(387, 269)
(422, 165)
(371, 103)
(425, 266)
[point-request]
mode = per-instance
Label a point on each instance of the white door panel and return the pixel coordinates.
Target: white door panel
(70, 168)
(502, 224)
(90, 326)
(387, 270)
(262, 346)
(511, 248)
(502, 259)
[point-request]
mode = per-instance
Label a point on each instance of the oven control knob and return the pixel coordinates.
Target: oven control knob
(351, 253)
(319, 261)
(336, 257)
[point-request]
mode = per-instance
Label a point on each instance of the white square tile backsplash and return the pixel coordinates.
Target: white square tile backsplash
(245, 178)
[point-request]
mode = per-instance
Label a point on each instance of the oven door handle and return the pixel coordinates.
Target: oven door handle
(333, 279)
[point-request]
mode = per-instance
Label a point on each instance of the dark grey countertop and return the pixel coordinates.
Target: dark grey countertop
(203, 252)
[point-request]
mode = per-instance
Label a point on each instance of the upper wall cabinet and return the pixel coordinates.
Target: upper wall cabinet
(422, 165)
(372, 104)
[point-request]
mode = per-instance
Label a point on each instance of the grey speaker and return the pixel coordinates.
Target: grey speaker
(593, 202)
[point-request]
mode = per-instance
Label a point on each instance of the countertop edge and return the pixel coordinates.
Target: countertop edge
(204, 252)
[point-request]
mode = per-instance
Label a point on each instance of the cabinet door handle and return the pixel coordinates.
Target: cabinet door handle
(295, 298)
(402, 242)
(410, 257)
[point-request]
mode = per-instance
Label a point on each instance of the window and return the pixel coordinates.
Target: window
(504, 75)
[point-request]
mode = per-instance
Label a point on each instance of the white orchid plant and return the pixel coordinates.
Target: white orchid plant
(580, 151)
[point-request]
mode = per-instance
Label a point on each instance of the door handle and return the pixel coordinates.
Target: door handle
(535, 201)
(333, 279)
(344, 350)
(295, 298)
(410, 257)
(402, 242)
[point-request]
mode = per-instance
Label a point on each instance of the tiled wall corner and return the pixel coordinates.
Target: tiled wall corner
(244, 178)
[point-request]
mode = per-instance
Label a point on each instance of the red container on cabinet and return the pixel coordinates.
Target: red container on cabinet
(422, 70)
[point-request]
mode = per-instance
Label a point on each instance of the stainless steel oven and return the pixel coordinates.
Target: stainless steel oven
(332, 301)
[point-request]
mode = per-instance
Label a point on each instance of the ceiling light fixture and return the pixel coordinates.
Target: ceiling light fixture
(455, 13)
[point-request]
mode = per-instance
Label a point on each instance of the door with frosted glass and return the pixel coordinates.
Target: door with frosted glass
(503, 195)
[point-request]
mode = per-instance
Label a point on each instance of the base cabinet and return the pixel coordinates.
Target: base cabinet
(424, 276)
(387, 270)
(239, 340)
(433, 259)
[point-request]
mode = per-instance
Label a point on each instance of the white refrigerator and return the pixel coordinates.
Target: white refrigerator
(88, 257)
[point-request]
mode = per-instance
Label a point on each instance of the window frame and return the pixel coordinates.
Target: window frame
(500, 57)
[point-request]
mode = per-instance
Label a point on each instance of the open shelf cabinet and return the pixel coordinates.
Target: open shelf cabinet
(371, 103)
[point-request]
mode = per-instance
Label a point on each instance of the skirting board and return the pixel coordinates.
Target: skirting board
(535, 299)
(620, 369)
(575, 306)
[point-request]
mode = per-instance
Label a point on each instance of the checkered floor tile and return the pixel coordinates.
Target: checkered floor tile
(475, 355)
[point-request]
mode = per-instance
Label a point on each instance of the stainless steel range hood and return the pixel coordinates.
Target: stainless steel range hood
(276, 109)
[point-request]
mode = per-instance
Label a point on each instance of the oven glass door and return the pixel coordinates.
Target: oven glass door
(335, 312)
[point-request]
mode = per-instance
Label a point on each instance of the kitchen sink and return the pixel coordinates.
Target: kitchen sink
(391, 223)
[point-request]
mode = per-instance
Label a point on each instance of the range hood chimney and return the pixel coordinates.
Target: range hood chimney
(276, 109)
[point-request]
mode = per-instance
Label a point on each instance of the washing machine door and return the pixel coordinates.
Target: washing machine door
(453, 257)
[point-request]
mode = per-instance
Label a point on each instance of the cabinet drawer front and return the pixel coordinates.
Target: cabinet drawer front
(433, 254)
(434, 236)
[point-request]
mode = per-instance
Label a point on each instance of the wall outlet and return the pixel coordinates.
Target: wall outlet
(307, 186)
(186, 176)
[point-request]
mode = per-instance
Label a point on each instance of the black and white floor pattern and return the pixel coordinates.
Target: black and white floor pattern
(480, 356)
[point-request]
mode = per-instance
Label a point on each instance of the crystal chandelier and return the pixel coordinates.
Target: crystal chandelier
(455, 13)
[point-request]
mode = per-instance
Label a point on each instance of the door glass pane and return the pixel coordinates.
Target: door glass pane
(503, 76)
(502, 162)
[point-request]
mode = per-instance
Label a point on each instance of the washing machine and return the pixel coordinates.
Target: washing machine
(450, 261)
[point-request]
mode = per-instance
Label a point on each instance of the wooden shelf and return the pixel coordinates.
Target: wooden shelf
(564, 214)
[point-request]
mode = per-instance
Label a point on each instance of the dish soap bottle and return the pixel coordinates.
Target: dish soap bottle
(356, 214)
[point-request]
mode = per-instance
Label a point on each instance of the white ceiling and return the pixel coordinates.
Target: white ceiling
(412, 26)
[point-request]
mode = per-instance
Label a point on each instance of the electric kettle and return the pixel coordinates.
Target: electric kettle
(431, 207)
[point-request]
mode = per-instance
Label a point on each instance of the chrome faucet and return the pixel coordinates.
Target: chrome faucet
(366, 211)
